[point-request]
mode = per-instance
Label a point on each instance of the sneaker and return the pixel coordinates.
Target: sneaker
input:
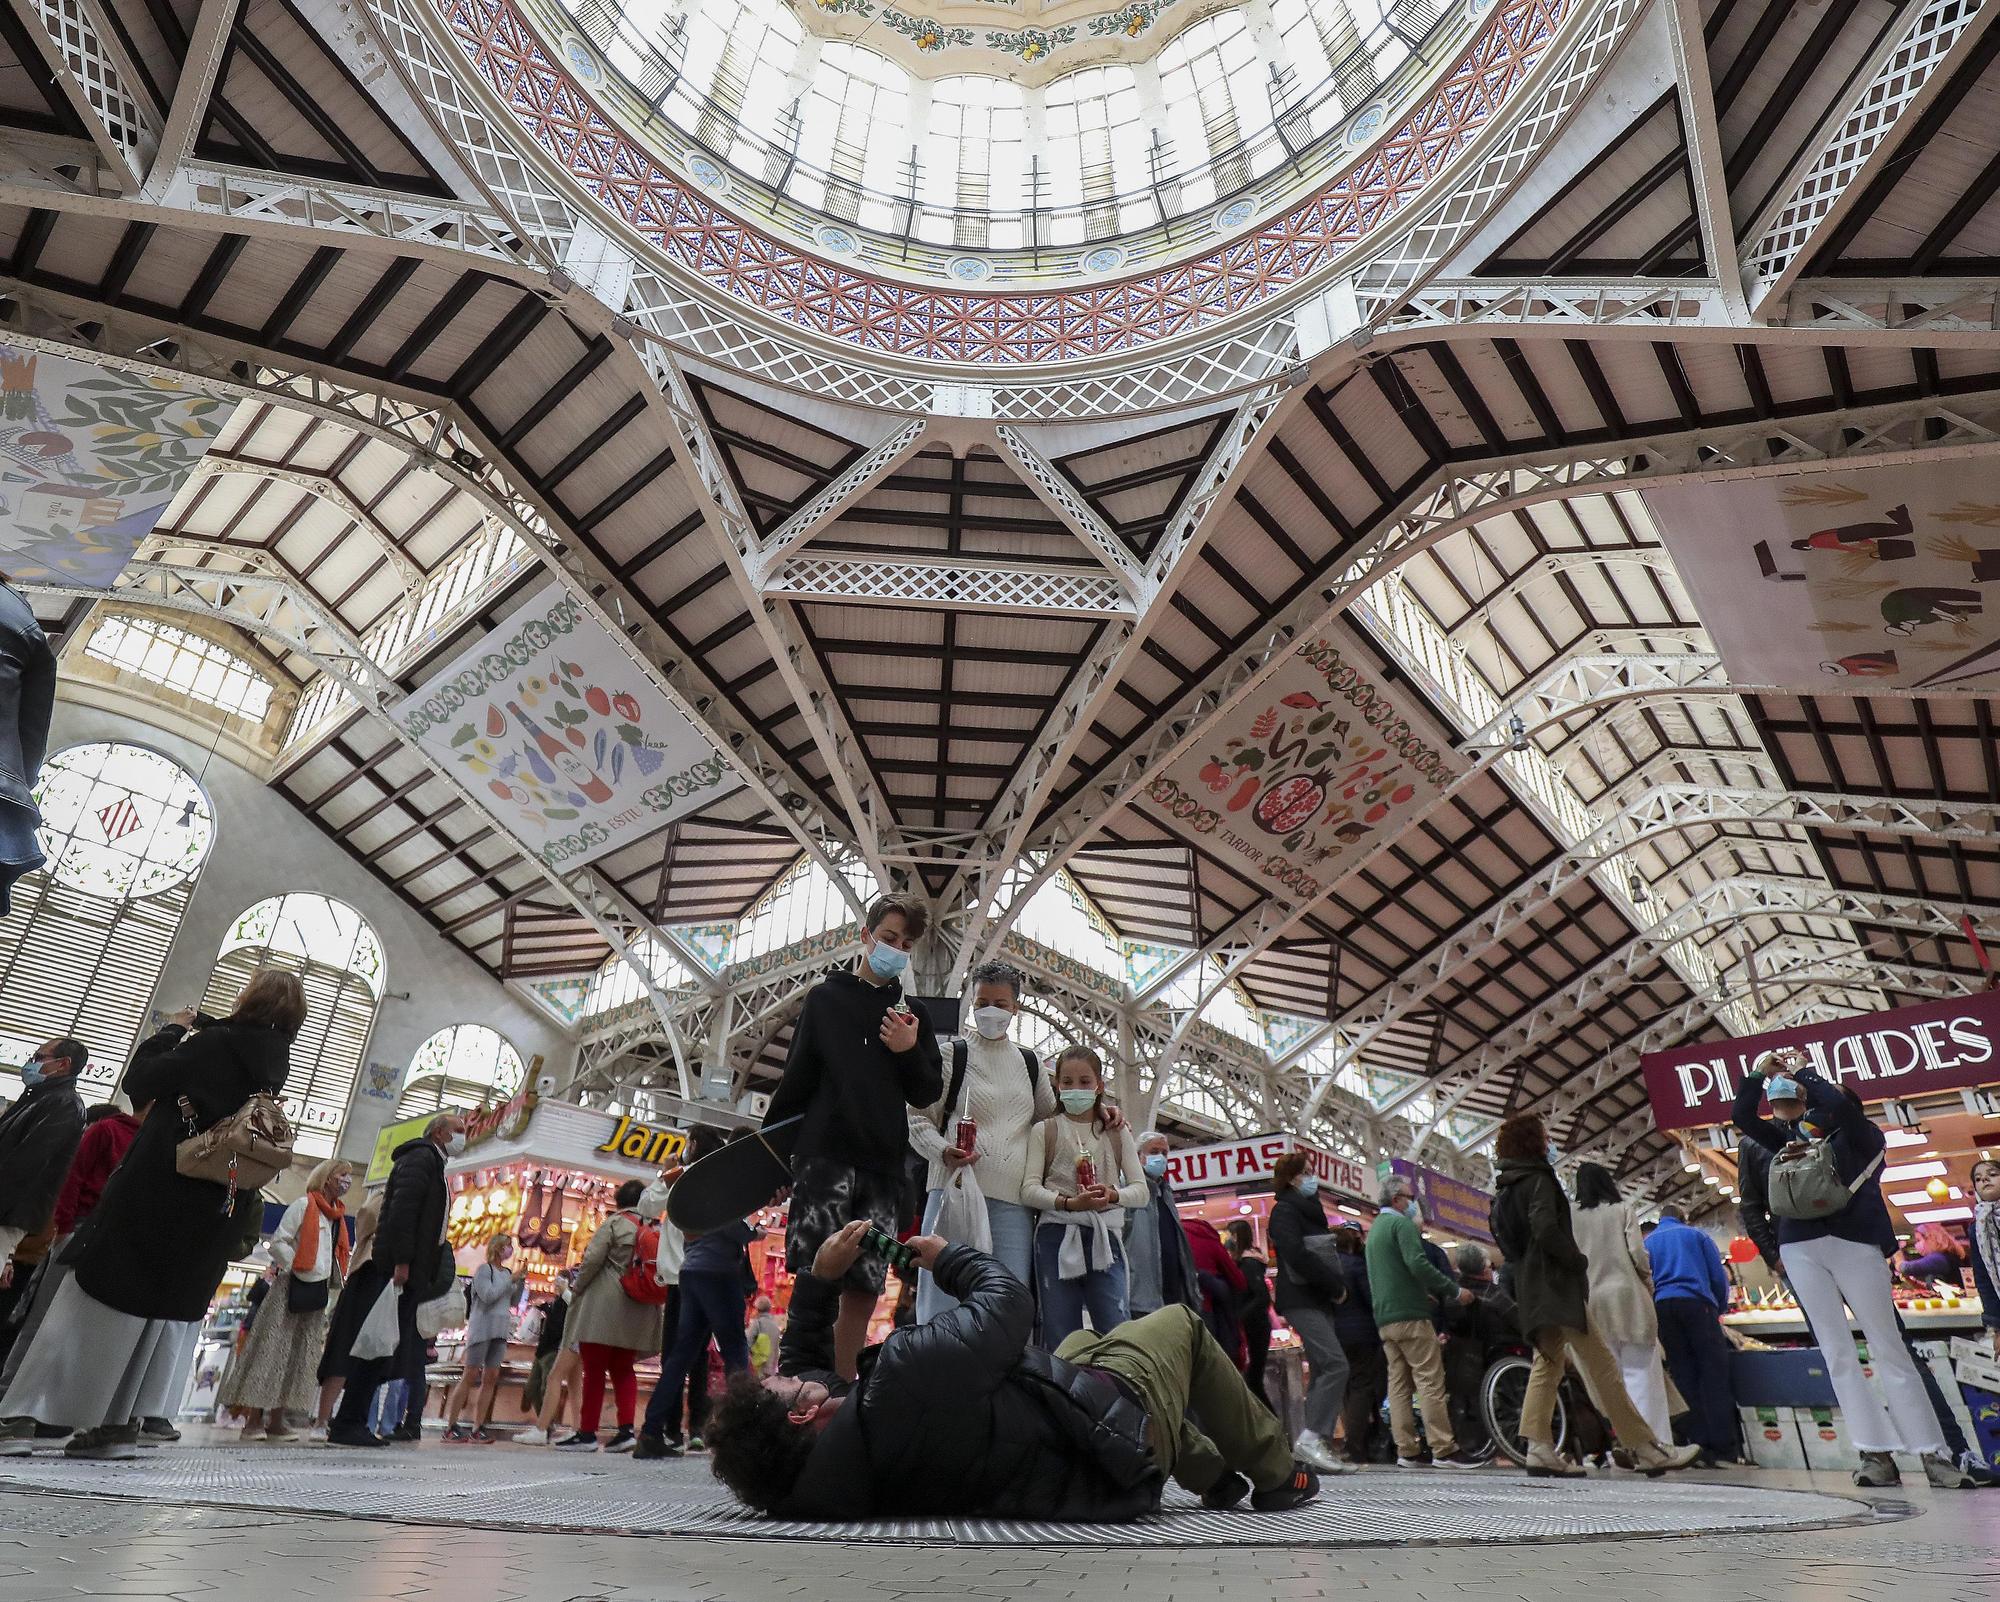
(535, 1437)
(1878, 1469)
(1461, 1459)
(1311, 1449)
(1944, 1472)
(108, 1443)
(17, 1437)
(1300, 1489)
(455, 1435)
(353, 1435)
(1546, 1463)
(696, 1444)
(407, 1434)
(1653, 1459)
(316, 1436)
(1225, 1492)
(623, 1441)
(653, 1446)
(157, 1432)
(483, 1436)
(578, 1442)
(1414, 1462)
(277, 1437)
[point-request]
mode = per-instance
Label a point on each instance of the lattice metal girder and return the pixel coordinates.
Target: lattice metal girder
(1457, 498)
(1590, 683)
(1932, 42)
(444, 444)
(1061, 497)
(208, 45)
(281, 611)
(1652, 558)
(1642, 308)
(867, 470)
(953, 585)
(91, 69)
(1930, 308)
(1708, 172)
(325, 487)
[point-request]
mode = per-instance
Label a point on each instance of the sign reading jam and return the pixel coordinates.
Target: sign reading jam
(644, 1143)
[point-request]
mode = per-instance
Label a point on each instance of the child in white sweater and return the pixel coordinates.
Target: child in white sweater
(1081, 1177)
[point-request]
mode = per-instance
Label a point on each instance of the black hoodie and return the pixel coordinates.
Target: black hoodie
(854, 1091)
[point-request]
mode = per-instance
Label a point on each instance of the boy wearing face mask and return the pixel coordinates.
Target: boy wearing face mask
(1001, 1088)
(861, 1056)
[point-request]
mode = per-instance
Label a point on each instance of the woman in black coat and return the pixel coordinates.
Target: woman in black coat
(1253, 1308)
(148, 1260)
(1551, 1286)
(1309, 1289)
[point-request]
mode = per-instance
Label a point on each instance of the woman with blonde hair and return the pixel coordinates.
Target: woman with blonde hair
(278, 1370)
(159, 1241)
(489, 1301)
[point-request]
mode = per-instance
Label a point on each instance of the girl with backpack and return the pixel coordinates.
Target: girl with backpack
(612, 1328)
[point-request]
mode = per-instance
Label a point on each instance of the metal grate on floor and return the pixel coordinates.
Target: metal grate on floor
(536, 1490)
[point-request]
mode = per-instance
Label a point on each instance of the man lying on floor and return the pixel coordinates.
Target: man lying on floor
(962, 1416)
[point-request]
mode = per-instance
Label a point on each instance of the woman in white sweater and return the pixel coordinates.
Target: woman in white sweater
(1620, 1297)
(1082, 1175)
(1005, 1092)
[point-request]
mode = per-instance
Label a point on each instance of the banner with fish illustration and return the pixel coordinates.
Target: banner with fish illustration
(1309, 776)
(89, 458)
(561, 734)
(1889, 574)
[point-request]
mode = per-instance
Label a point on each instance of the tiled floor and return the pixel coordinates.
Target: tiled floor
(1926, 1547)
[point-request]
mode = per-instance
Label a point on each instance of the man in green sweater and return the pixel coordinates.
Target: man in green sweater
(1401, 1283)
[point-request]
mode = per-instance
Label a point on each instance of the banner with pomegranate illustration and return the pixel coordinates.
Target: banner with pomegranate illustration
(561, 735)
(1887, 574)
(1320, 766)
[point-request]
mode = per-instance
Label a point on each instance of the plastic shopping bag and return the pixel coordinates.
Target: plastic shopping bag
(379, 1333)
(962, 1216)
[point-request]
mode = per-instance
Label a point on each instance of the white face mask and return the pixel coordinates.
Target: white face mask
(455, 1146)
(992, 1022)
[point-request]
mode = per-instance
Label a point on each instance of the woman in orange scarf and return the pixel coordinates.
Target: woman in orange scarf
(278, 1370)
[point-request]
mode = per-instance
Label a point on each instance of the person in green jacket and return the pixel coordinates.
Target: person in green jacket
(1401, 1283)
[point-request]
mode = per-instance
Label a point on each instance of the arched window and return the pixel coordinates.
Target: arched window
(197, 668)
(854, 126)
(1216, 96)
(126, 832)
(336, 955)
(1096, 144)
(460, 1067)
(974, 156)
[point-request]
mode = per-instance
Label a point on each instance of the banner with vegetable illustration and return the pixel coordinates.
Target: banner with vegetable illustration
(1890, 574)
(89, 458)
(555, 728)
(1322, 765)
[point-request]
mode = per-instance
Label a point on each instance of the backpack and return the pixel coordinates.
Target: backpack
(959, 1057)
(641, 1279)
(1808, 1185)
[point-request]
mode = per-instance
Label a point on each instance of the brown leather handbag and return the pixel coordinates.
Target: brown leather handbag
(251, 1147)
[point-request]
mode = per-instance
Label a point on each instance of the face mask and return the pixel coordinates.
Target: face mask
(1156, 1166)
(886, 962)
(341, 1187)
(1416, 1215)
(456, 1145)
(992, 1022)
(32, 1074)
(1554, 1155)
(1309, 1185)
(1078, 1101)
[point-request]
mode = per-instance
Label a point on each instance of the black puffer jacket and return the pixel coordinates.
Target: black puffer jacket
(413, 1204)
(39, 1135)
(1307, 1277)
(961, 1416)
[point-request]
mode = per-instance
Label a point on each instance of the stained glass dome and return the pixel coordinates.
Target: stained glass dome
(120, 821)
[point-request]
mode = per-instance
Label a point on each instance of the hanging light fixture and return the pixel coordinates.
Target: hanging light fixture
(1638, 888)
(1517, 733)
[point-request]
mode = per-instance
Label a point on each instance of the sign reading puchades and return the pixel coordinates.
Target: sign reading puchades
(1940, 1045)
(1889, 574)
(1238, 1163)
(1314, 769)
(1452, 1205)
(561, 734)
(89, 458)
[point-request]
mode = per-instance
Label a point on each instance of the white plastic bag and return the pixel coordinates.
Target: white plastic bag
(378, 1334)
(961, 1215)
(442, 1313)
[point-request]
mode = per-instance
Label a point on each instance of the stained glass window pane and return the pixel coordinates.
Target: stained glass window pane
(119, 821)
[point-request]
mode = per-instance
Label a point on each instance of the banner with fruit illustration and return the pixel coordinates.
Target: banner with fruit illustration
(562, 735)
(89, 459)
(1322, 766)
(1890, 574)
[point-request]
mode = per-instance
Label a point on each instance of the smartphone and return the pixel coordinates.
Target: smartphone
(878, 1243)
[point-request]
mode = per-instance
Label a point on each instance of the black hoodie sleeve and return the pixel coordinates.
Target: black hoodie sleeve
(920, 1070)
(805, 1065)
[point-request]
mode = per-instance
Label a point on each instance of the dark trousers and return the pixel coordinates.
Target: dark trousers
(710, 1305)
(1367, 1389)
(405, 1363)
(1257, 1338)
(668, 1408)
(1698, 1358)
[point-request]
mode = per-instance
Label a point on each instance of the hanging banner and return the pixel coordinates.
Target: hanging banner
(89, 459)
(1315, 770)
(1450, 1204)
(1250, 1161)
(1890, 574)
(1940, 1045)
(549, 722)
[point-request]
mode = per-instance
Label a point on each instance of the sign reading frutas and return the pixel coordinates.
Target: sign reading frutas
(1250, 1162)
(1320, 766)
(89, 459)
(1891, 574)
(559, 732)
(1941, 1045)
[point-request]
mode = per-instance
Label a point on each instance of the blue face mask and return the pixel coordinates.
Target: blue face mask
(1554, 1155)
(1156, 1166)
(1078, 1101)
(1309, 1185)
(886, 962)
(32, 1074)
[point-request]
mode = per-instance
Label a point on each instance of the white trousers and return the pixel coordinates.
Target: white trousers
(1642, 1368)
(1830, 1276)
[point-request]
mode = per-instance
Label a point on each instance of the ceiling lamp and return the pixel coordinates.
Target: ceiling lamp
(1517, 733)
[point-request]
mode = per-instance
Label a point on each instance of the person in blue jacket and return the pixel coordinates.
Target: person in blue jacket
(1840, 1262)
(1690, 1295)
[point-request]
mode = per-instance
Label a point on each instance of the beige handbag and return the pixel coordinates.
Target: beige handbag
(251, 1147)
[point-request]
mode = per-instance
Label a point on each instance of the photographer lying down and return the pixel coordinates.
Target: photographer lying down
(962, 1416)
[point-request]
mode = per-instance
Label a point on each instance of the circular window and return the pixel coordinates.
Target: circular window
(122, 822)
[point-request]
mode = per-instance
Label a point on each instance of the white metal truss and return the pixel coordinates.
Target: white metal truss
(280, 612)
(325, 487)
(867, 470)
(208, 44)
(978, 586)
(93, 72)
(1592, 559)
(1708, 177)
(1061, 497)
(1934, 37)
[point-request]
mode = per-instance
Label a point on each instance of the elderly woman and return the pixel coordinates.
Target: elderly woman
(278, 1371)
